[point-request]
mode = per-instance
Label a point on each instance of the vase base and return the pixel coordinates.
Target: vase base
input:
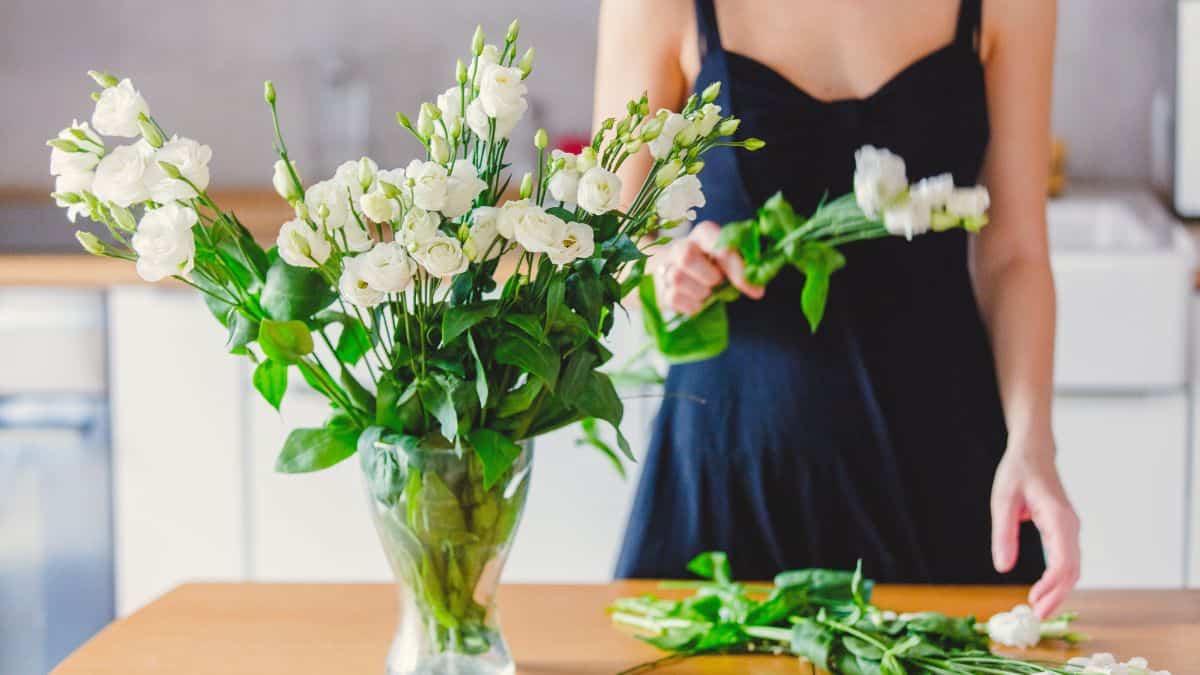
(455, 664)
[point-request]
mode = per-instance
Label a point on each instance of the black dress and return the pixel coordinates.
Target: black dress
(878, 437)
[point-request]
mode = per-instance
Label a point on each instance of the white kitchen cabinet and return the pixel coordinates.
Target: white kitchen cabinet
(306, 527)
(178, 435)
(1123, 461)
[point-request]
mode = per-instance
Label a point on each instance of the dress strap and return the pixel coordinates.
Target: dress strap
(706, 25)
(970, 22)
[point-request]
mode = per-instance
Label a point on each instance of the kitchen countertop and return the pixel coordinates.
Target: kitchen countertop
(254, 629)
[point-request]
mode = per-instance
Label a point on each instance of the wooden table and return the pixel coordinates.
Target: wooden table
(264, 629)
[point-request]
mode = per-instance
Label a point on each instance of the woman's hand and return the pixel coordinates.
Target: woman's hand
(1027, 487)
(692, 267)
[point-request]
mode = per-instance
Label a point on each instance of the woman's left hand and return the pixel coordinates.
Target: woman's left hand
(1027, 487)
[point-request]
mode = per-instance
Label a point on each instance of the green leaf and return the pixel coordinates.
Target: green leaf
(353, 342)
(712, 565)
(461, 318)
(585, 294)
(598, 398)
(698, 338)
(862, 648)
(496, 452)
(782, 604)
(242, 331)
(481, 382)
(315, 449)
(358, 393)
(386, 472)
(814, 296)
(591, 436)
(437, 396)
(528, 323)
(777, 218)
(574, 377)
(517, 348)
(811, 641)
(270, 379)
(295, 292)
(285, 341)
(518, 400)
(395, 408)
(620, 251)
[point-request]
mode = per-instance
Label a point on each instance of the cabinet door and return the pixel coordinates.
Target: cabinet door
(1123, 460)
(177, 402)
(306, 527)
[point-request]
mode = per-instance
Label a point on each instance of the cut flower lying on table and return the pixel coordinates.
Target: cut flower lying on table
(825, 617)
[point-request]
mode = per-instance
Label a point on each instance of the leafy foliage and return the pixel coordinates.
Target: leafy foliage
(820, 615)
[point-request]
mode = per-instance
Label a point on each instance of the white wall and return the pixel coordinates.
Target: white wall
(202, 64)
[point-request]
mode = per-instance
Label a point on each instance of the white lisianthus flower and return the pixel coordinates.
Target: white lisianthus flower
(117, 110)
(418, 227)
(358, 176)
(482, 235)
(971, 202)
(679, 200)
(502, 91)
(462, 187)
(585, 160)
(428, 184)
(449, 103)
(73, 184)
(707, 119)
(488, 57)
(386, 267)
(441, 256)
(379, 207)
(599, 191)
(577, 241)
(120, 176)
(62, 161)
(907, 219)
(354, 288)
(879, 179)
(564, 184)
(1106, 664)
(662, 145)
(358, 238)
(479, 122)
(281, 179)
(190, 158)
(164, 243)
(933, 192)
(536, 230)
(1018, 628)
(393, 178)
(302, 246)
(334, 196)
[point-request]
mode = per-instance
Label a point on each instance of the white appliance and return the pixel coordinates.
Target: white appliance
(1123, 274)
(1187, 110)
(56, 546)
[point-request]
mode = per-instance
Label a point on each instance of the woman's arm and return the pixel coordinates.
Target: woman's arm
(638, 49)
(640, 46)
(1010, 264)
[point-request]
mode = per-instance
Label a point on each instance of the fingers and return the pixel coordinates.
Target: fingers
(688, 278)
(1006, 526)
(1059, 528)
(732, 266)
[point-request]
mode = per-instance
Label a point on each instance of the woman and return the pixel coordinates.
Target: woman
(928, 385)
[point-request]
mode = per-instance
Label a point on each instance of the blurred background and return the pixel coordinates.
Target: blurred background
(134, 454)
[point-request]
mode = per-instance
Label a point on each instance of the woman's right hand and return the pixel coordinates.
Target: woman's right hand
(692, 267)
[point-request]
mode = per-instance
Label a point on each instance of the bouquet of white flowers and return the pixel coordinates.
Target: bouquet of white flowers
(386, 294)
(883, 204)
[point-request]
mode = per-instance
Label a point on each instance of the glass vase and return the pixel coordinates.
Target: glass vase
(446, 538)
